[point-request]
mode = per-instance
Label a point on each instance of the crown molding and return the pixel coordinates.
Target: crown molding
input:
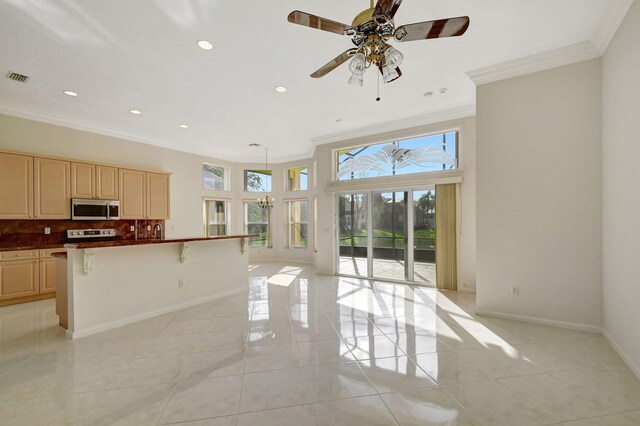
(535, 63)
(609, 23)
(611, 20)
(390, 126)
(70, 124)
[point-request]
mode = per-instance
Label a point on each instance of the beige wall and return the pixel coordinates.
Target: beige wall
(539, 202)
(621, 134)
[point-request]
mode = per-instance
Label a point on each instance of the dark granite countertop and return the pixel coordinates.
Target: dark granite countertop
(27, 246)
(122, 243)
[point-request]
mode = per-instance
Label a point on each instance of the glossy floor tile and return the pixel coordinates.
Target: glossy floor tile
(298, 348)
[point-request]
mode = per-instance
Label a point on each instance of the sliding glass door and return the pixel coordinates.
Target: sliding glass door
(388, 235)
(352, 234)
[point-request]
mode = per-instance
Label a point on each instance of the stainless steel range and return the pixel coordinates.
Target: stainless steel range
(93, 235)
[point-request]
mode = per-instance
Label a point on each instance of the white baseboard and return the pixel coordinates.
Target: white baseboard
(115, 324)
(627, 360)
(541, 321)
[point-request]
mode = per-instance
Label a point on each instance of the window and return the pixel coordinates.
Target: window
(298, 224)
(256, 221)
(297, 179)
(422, 154)
(215, 177)
(216, 217)
(315, 225)
(257, 180)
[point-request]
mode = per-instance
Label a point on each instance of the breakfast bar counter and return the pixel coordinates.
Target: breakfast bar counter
(104, 285)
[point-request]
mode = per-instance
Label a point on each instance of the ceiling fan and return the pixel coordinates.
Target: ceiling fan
(370, 32)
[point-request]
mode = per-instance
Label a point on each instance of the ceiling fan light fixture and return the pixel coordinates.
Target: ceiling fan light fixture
(356, 80)
(389, 74)
(393, 57)
(358, 64)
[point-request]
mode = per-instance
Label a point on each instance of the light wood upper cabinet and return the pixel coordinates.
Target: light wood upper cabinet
(16, 186)
(52, 189)
(19, 278)
(83, 180)
(107, 183)
(157, 196)
(132, 194)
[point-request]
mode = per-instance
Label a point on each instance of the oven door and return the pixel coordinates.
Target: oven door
(88, 210)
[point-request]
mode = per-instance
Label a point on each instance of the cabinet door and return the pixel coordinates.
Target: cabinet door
(132, 194)
(106, 183)
(52, 189)
(157, 196)
(19, 278)
(16, 186)
(47, 275)
(83, 180)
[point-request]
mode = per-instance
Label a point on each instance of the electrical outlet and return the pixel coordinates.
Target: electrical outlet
(47, 231)
(515, 290)
(132, 229)
(148, 227)
(180, 283)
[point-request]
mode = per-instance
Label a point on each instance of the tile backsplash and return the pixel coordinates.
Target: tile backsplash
(27, 232)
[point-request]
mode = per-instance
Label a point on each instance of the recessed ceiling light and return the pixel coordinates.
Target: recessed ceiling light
(135, 111)
(281, 89)
(443, 90)
(428, 94)
(183, 126)
(205, 45)
(70, 93)
(254, 144)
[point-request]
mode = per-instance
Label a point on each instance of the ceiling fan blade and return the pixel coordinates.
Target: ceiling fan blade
(452, 27)
(334, 63)
(313, 21)
(387, 7)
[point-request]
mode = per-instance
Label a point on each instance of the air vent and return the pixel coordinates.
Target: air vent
(17, 77)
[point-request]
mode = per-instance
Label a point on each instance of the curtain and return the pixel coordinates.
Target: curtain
(446, 253)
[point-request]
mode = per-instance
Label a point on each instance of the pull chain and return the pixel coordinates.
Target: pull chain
(378, 98)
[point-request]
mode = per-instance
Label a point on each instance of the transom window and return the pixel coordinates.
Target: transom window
(216, 217)
(256, 221)
(215, 177)
(416, 155)
(297, 179)
(257, 180)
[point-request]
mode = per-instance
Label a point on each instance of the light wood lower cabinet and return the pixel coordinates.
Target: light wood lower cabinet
(19, 278)
(27, 275)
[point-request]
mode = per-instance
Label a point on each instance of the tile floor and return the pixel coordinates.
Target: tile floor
(303, 349)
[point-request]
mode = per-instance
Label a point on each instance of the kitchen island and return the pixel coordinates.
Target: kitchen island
(104, 285)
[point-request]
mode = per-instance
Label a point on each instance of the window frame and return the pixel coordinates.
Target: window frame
(226, 178)
(290, 223)
(457, 129)
(258, 171)
(286, 179)
(227, 215)
(246, 223)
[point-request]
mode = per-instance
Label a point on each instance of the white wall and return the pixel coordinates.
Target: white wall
(621, 185)
(324, 259)
(539, 186)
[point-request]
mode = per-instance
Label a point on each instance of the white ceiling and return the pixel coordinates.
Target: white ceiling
(122, 54)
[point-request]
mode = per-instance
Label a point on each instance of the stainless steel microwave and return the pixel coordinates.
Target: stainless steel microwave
(87, 209)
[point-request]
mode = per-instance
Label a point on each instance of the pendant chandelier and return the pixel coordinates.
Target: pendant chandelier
(266, 202)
